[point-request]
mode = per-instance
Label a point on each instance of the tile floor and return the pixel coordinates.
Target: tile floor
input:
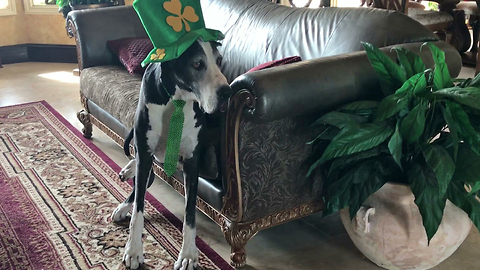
(309, 243)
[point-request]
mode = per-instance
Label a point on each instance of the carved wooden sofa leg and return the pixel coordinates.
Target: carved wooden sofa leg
(238, 235)
(84, 118)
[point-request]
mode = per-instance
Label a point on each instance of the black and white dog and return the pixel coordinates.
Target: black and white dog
(194, 77)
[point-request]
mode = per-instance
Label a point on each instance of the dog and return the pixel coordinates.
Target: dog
(194, 77)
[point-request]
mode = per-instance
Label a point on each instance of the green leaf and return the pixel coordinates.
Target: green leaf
(416, 84)
(447, 115)
(369, 177)
(474, 116)
(340, 119)
(328, 134)
(475, 81)
(395, 146)
(441, 77)
(441, 163)
(465, 83)
(360, 105)
(404, 62)
(412, 126)
(416, 62)
(475, 188)
(391, 105)
(469, 96)
(337, 193)
(361, 108)
(463, 126)
(390, 74)
(354, 141)
(458, 195)
(342, 163)
(467, 166)
(431, 205)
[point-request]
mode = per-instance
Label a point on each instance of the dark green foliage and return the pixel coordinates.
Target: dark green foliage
(424, 133)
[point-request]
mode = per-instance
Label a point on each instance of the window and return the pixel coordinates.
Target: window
(7, 7)
(40, 7)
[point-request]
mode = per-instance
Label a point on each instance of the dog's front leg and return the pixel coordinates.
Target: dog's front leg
(133, 256)
(188, 256)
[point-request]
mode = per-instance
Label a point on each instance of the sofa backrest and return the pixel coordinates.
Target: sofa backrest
(97, 26)
(258, 31)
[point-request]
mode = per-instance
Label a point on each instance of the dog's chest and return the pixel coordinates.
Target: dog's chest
(159, 119)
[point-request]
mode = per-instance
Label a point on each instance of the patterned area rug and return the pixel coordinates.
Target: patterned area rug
(57, 191)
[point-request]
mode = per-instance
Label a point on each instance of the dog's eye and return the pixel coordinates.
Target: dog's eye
(219, 61)
(198, 65)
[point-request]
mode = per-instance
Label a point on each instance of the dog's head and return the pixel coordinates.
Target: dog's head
(197, 71)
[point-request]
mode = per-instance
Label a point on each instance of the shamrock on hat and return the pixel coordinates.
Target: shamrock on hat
(172, 27)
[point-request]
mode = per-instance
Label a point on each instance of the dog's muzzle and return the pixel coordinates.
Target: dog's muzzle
(223, 96)
(224, 92)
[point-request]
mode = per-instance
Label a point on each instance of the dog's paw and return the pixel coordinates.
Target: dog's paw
(128, 172)
(133, 255)
(187, 259)
(120, 213)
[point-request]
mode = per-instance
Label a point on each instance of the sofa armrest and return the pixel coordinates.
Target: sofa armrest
(92, 29)
(325, 83)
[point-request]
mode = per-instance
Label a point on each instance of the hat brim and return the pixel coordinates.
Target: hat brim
(174, 50)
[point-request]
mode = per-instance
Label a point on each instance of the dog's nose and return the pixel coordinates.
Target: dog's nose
(224, 92)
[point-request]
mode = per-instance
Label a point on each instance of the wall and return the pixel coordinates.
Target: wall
(32, 28)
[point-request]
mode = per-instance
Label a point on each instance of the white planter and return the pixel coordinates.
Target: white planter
(388, 230)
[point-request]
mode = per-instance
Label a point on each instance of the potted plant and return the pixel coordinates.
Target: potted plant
(66, 6)
(422, 140)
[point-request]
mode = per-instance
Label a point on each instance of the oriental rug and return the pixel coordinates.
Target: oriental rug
(57, 191)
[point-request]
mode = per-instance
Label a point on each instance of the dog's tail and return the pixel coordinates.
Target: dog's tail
(126, 145)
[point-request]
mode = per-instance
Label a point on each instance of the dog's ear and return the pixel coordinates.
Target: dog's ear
(150, 78)
(216, 44)
(154, 83)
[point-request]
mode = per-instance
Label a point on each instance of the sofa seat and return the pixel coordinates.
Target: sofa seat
(113, 89)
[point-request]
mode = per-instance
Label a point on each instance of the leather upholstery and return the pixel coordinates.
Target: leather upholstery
(260, 31)
(323, 83)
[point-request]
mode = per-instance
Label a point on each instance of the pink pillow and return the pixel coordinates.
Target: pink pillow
(277, 63)
(131, 52)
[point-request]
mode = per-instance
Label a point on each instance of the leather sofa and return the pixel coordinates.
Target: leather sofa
(259, 143)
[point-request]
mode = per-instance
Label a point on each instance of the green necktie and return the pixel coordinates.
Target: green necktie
(174, 137)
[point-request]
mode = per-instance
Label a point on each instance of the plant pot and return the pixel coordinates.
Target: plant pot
(389, 231)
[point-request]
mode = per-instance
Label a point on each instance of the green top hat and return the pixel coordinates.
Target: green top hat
(172, 27)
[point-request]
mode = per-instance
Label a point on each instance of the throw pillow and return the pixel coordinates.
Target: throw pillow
(277, 63)
(131, 52)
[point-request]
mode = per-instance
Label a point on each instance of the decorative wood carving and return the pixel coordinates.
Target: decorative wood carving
(238, 234)
(232, 200)
(84, 118)
(72, 32)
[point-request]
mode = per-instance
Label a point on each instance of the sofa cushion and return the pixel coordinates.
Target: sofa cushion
(113, 89)
(131, 52)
